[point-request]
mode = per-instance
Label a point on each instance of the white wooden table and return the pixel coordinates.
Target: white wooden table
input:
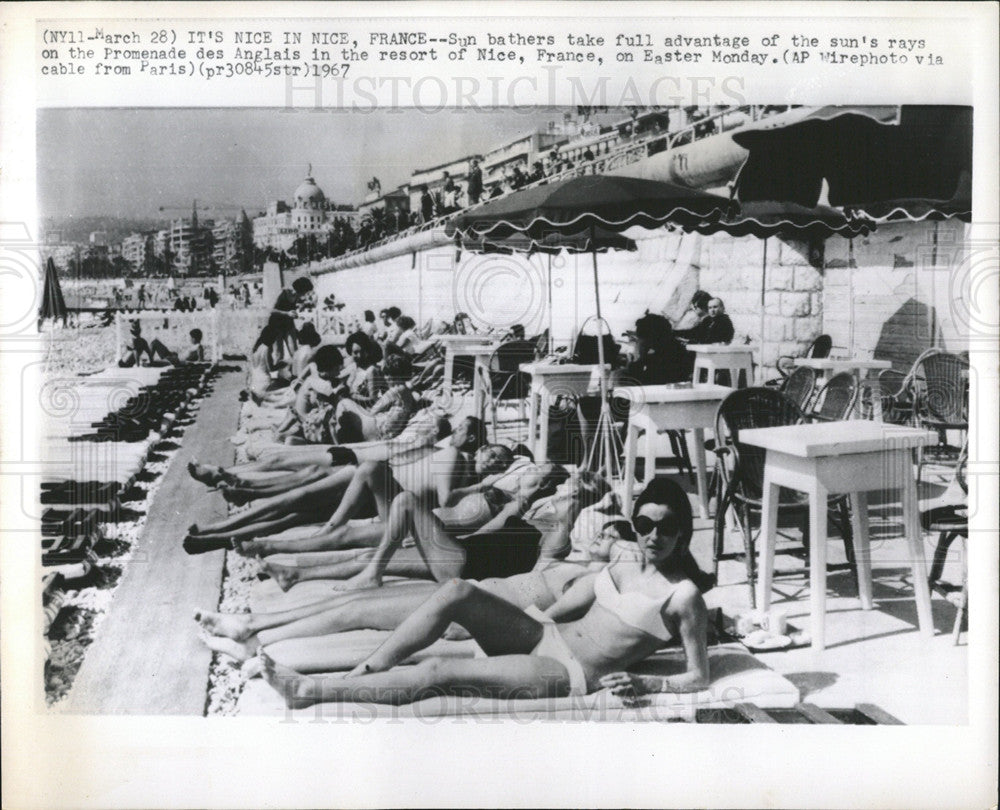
(834, 458)
(668, 407)
(713, 357)
(549, 381)
(481, 347)
(826, 367)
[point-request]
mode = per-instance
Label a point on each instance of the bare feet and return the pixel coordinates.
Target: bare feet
(284, 575)
(252, 548)
(240, 650)
(205, 473)
(293, 687)
(252, 668)
(231, 625)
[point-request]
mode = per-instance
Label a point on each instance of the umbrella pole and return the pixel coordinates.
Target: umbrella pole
(763, 315)
(548, 348)
(604, 427)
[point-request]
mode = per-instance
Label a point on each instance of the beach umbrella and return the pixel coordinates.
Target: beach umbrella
(880, 161)
(583, 205)
(53, 305)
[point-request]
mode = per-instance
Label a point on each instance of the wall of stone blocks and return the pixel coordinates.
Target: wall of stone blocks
(898, 291)
(887, 295)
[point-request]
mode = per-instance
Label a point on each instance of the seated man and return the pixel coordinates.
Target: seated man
(716, 327)
(195, 354)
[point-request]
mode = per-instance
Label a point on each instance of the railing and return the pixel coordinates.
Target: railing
(625, 154)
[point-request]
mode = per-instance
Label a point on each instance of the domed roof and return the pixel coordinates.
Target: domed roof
(309, 192)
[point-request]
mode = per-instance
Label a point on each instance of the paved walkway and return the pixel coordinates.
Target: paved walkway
(146, 658)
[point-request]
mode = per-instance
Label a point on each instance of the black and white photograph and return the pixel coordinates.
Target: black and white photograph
(596, 417)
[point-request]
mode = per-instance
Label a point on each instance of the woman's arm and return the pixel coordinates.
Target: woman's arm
(688, 613)
(512, 509)
(575, 601)
(449, 476)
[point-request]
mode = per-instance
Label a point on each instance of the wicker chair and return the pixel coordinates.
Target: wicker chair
(835, 400)
(785, 364)
(741, 471)
(506, 380)
(940, 403)
(799, 385)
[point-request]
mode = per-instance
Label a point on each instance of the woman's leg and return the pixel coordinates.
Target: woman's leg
(440, 554)
(371, 476)
(364, 536)
(504, 677)
(499, 627)
(302, 498)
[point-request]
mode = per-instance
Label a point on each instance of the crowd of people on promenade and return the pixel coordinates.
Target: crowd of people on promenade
(418, 524)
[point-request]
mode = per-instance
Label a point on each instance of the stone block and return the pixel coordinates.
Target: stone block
(807, 278)
(780, 277)
(794, 253)
(777, 330)
(806, 329)
(794, 304)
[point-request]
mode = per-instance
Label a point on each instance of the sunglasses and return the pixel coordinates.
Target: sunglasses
(644, 526)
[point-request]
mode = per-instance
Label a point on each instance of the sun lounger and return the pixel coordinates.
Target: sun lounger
(736, 677)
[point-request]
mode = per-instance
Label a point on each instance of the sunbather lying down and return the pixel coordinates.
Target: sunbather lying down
(506, 545)
(429, 475)
(608, 622)
(298, 637)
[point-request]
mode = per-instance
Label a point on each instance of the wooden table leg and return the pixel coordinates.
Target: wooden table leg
(699, 467)
(767, 540)
(862, 547)
(817, 563)
(915, 540)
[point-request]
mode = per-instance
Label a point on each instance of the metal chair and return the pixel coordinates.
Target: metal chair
(897, 398)
(819, 348)
(799, 386)
(742, 478)
(505, 380)
(835, 400)
(950, 522)
(940, 403)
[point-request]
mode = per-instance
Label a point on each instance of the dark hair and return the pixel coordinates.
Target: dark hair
(308, 335)
(328, 359)
(370, 351)
(554, 474)
(369, 315)
(668, 493)
(397, 366)
(623, 527)
(700, 299)
(405, 322)
(268, 336)
(477, 433)
(196, 334)
(302, 285)
(504, 457)
(653, 328)
(393, 312)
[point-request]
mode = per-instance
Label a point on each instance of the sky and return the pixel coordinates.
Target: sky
(130, 162)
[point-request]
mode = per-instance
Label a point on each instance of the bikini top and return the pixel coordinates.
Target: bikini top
(633, 608)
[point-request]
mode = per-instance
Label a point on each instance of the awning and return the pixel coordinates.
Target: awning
(867, 160)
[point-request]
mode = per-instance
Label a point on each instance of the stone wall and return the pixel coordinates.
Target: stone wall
(771, 292)
(882, 295)
(896, 292)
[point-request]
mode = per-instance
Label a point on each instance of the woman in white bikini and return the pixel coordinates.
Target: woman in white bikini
(608, 622)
